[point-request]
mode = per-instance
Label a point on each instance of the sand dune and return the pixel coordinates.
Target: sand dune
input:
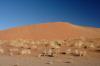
(50, 31)
(57, 49)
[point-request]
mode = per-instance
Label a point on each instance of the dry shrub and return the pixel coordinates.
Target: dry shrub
(79, 52)
(25, 52)
(1, 51)
(69, 51)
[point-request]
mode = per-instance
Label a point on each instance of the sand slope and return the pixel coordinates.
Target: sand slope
(51, 31)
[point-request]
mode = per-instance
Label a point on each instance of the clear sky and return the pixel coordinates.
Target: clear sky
(24, 12)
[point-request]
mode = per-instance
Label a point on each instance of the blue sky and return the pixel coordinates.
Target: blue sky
(24, 12)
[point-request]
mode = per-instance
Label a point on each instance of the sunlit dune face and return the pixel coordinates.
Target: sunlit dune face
(50, 31)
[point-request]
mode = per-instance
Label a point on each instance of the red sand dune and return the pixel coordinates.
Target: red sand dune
(50, 31)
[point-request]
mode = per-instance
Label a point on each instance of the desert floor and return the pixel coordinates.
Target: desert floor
(93, 59)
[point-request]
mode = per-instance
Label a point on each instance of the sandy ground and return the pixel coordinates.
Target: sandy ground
(62, 60)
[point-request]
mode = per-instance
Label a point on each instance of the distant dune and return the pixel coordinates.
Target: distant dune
(50, 31)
